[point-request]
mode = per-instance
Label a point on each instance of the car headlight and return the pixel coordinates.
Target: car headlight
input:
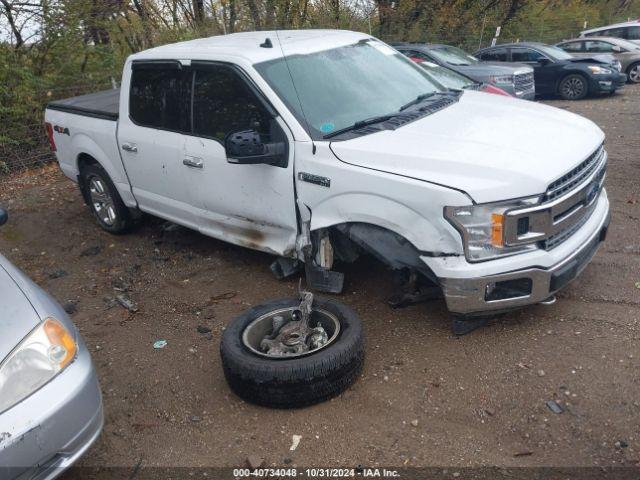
(482, 228)
(502, 79)
(617, 65)
(596, 70)
(39, 357)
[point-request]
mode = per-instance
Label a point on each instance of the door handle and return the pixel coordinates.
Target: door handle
(130, 147)
(193, 162)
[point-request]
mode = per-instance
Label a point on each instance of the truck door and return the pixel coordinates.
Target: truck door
(251, 205)
(151, 135)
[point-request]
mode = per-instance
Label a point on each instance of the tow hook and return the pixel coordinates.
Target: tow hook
(549, 301)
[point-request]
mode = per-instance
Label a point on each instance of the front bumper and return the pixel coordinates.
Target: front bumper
(44, 434)
(496, 291)
(608, 83)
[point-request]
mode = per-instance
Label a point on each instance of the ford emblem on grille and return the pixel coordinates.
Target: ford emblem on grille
(592, 192)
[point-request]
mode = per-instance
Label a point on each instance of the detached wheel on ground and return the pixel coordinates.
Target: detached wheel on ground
(292, 353)
(573, 87)
(633, 73)
(104, 200)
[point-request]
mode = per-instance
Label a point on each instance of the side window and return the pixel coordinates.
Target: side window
(597, 46)
(160, 97)
(571, 46)
(613, 32)
(633, 33)
(223, 102)
(496, 55)
(525, 55)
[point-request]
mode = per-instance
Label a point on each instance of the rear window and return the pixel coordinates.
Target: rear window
(160, 98)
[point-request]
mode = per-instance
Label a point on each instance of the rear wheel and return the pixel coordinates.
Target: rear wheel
(573, 87)
(633, 73)
(104, 200)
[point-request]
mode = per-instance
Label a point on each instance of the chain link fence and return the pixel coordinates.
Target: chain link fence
(24, 146)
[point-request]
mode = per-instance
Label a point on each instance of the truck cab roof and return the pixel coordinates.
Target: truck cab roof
(253, 47)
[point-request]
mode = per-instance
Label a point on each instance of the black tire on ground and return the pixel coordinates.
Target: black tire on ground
(121, 220)
(633, 73)
(573, 87)
(294, 382)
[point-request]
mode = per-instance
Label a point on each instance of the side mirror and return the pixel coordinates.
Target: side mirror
(617, 49)
(4, 216)
(246, 147)
(544, 61)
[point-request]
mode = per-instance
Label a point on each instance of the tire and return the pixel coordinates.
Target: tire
(633, 73)
(299, 381)
(573, 87)
(104, 201)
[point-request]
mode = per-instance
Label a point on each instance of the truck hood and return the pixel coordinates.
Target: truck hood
(489, 146)
(486, 69)
(17, 315)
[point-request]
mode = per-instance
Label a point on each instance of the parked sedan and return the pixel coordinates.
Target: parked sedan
(515, 79)
(626, 53)
(558, 72)
(456, 81)
(50, 401)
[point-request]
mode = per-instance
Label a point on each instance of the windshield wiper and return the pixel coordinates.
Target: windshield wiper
(417, 100)
(360, 124)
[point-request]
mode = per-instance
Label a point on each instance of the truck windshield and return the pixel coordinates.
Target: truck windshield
(333, 89)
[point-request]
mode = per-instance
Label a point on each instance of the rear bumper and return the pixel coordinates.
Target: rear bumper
(46, 433)
(513, 288)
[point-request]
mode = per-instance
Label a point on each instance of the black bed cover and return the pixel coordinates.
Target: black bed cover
(103, 104)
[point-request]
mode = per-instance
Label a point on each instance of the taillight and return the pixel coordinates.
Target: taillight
(52, 142)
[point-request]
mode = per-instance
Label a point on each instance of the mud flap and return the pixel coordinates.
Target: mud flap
(322, 279)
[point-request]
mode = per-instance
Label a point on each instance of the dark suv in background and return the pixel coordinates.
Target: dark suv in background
(559, 72)
(516, 79)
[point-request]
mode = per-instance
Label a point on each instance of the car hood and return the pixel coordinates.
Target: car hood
(17, 316)
(489, 146)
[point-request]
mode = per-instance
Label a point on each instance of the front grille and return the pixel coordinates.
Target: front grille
(562, 235)
(575, 176)
(568, 204)
(523, 82)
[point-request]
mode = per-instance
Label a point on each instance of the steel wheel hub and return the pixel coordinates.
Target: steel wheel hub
(101, 201)
(292, 331)
(634, 74)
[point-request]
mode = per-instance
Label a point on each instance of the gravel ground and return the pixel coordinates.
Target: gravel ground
(425, 398)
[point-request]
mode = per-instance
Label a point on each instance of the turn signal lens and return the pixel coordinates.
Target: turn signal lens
(497, 222)
(62, 349)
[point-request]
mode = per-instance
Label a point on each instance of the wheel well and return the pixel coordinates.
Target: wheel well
(84, 160)
(350, 240)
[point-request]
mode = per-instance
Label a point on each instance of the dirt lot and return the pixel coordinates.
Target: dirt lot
(478, 400)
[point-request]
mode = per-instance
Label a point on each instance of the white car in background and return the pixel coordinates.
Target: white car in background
(626, 30)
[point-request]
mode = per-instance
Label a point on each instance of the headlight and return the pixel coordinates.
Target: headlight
(596, 70)
(502, 79)
(44, 353)
(617, 65)
(482, 228)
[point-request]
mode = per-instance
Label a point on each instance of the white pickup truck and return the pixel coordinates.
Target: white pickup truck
(317, 146)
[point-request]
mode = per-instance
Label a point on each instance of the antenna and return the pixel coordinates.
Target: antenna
(267, 43)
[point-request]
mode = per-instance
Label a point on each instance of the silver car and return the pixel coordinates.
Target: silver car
(50, 401)
(626, 53)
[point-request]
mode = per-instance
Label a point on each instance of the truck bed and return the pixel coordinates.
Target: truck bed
(104, 105)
